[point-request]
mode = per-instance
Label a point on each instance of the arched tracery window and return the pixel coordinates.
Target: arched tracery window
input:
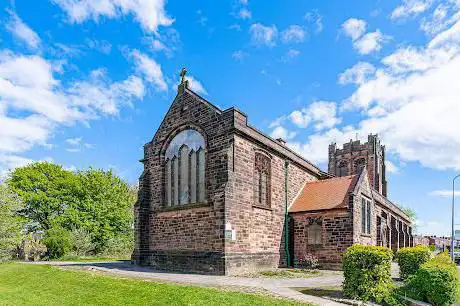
(360, 163)
(262, 180)
(342, 168)
(185, 169)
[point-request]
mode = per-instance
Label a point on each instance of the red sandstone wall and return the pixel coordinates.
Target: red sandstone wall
(337, 234)
(259, 230)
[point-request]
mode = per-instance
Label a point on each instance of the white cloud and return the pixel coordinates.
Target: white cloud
(244, 13)
(357, 74)
(354, 28)
(102, 46)
(315, 18)
(151, 14)
(412, 102)
(444, 193)
(34, 101)
(370, 42)
(316, 147)
(74, 141)
(150, 69)
(293, 34)
(281, 132)
(322, 114)
(410, 8)
(22, 31)
(391, 167)
(10, 162)
(291, 54)
(363, 42)
(196, 85)
(263, 35)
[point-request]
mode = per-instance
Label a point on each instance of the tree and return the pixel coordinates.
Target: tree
(10, 223)
(104, 207)
(46, 190)
(411, 214)
(59, 202)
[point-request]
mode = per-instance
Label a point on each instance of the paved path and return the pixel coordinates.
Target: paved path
(278, 286)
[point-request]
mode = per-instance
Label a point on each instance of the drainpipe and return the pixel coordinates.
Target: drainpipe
(286, 220)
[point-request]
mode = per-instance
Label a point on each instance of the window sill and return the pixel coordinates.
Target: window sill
(181, 207)
(262, 207)
(366, 235)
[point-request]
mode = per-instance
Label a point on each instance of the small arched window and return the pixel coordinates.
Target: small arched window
(185, 169)
(262, 180)
(360, 163)
(342, 168)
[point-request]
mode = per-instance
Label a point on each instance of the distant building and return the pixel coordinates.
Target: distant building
(214, 193)
(421, 240)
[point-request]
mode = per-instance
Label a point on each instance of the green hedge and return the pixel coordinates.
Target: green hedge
(366, 271)
(410, 259)
(435, 282)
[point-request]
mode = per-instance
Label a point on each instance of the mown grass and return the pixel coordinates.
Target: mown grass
(27, 284)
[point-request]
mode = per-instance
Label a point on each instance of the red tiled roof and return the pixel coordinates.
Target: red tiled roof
(325, 194)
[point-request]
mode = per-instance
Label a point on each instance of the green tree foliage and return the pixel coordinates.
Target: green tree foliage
(94, 205)
(411, 258)
(46, 190)
(10, 223)
(58, 241)
(104, 207)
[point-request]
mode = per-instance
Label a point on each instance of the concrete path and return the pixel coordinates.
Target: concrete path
(277, 286)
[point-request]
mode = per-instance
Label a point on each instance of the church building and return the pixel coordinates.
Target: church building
(217, 196)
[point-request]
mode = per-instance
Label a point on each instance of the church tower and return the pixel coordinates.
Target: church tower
(354, 156)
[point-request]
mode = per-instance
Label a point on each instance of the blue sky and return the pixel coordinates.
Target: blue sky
(86, 83)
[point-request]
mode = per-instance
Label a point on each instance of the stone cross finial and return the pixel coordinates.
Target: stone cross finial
(182, 74)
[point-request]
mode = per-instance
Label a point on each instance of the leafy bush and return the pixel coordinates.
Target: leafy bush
(367, 273)
(120, 246)
(411, 258)
(58, 241)
(81, 242)
(436, 281)
(432, 247)
(307, 262)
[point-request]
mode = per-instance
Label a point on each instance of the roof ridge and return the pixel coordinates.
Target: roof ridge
(336, 178)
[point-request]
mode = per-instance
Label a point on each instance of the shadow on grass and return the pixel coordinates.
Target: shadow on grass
(332, 292)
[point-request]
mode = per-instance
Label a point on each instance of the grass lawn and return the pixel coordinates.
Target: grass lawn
(26, 284)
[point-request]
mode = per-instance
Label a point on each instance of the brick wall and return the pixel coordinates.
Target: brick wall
(167, 238)
(363, 189)
(259, 231)
(337, 235)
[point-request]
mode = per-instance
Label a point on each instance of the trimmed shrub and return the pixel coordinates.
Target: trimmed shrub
(367, 273)
(411, 258)
(435, 282)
